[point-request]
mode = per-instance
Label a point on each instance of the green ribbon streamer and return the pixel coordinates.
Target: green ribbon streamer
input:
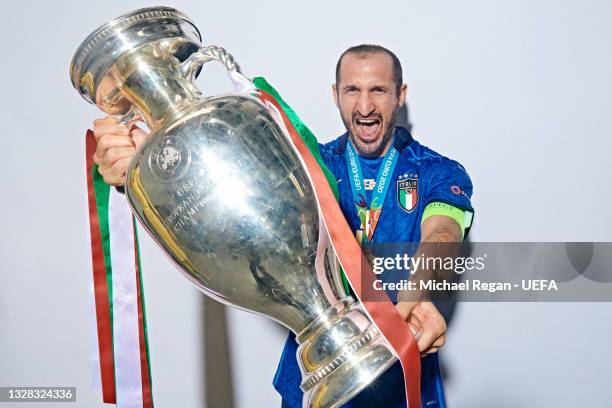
(102, 191)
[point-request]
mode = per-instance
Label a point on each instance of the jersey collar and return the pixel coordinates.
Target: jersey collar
(402, 139)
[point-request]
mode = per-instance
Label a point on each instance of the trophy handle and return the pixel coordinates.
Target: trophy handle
(127, 117)
(203, 55)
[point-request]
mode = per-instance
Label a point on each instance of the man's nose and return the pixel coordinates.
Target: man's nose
(364, 104)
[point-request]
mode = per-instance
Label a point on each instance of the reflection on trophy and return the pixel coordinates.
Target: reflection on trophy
(221, 188)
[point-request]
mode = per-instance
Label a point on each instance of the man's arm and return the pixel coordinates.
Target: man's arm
(440, 228)
(436, 232)
(440, 238)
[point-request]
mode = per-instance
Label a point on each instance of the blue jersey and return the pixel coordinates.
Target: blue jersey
(421, 177)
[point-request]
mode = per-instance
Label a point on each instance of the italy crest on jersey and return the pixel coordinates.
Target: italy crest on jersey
(408, 193)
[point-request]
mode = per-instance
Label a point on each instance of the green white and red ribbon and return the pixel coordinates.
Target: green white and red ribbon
(351, 258)
(122, 359)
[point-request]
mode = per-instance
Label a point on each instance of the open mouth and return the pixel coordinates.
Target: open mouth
(367, 127)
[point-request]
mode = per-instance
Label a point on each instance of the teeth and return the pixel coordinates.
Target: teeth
(366, 121)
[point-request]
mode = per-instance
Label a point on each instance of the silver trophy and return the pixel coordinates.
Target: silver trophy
(222, 190)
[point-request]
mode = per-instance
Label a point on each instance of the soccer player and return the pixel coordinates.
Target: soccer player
(423, 197)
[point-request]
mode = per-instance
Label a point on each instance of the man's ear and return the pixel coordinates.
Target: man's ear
(402, 95)
(335, 94)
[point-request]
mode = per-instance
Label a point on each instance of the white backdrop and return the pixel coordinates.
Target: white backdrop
(517, 91)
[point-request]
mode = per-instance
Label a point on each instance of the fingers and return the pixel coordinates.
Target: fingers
(430, 335)
(117, 153)
(107, 143)
(439, 342)
(109, 126)
(430, 351)
(427, 339)
(416, 327)
(417, 331)
(138, 136)
(114, 149)
(113, 162)
(105, 120)
(119, 169)
(113, 168)
(113, 155)
(112, 120)
(114, 129)
(115, 174)
(405, 309)
(435, 346)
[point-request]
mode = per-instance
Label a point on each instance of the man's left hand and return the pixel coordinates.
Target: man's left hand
(427, 324)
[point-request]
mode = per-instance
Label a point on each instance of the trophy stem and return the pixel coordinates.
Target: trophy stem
(339, 354)
(158, 92)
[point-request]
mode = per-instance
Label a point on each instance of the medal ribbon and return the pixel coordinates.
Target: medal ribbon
(369, 216)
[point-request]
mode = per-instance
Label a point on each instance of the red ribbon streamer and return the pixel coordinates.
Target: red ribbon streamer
(147, 397)
(103, 318)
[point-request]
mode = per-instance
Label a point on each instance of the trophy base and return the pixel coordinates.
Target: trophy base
(340, 354)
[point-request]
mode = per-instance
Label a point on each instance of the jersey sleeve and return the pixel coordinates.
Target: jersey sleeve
(448, 192)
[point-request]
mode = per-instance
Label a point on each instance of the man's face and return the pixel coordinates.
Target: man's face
(367, 98)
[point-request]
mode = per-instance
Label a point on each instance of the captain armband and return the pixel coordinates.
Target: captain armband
(462, 217)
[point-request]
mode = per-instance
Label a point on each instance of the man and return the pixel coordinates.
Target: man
(426, 200)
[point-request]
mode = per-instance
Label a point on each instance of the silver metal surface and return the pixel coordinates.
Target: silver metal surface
(222, 190)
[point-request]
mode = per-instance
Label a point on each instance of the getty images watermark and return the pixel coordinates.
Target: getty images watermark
(492, 271)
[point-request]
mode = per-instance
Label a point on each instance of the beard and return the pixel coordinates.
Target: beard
(376, 146)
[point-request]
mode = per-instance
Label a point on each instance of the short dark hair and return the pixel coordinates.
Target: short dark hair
(364, 50)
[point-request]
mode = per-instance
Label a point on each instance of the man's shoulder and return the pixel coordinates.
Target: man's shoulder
(332, 146)
(415, 152)
(331, 153)
(418, 151)
(427, 158)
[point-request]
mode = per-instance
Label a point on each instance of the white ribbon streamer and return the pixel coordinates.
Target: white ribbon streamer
(125, 303)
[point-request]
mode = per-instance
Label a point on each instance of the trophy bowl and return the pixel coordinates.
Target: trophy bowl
(222, 189)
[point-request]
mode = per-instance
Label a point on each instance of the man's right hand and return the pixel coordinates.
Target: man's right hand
(116, 145)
